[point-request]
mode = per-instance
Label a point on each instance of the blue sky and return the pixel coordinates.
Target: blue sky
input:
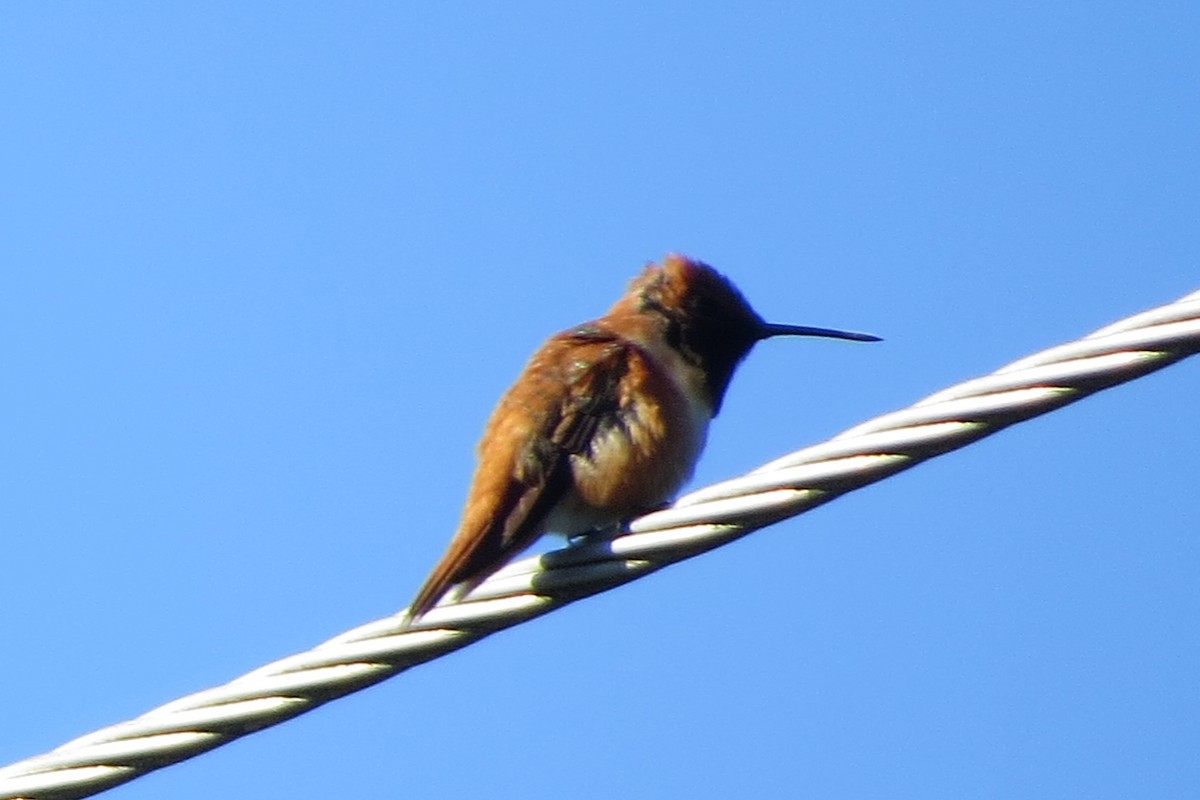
(269, 265)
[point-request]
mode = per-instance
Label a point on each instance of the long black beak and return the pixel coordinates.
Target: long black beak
(771, 329)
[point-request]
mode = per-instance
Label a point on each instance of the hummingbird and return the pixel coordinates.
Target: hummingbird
(607, 420)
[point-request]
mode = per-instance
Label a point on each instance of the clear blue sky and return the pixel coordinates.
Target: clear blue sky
(267, 266)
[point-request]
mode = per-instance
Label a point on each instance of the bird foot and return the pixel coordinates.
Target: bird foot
(605, 533)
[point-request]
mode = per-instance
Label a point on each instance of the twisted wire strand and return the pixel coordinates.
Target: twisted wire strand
(695, 523)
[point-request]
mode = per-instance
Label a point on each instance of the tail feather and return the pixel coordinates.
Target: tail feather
(461, 563)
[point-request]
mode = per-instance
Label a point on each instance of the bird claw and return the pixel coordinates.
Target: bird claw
(605, 533)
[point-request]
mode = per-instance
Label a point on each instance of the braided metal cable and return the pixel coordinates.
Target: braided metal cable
(697, 522)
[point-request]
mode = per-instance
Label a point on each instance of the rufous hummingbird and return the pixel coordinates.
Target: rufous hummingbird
(607, 420)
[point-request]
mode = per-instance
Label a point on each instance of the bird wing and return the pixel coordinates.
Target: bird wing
(567, 391)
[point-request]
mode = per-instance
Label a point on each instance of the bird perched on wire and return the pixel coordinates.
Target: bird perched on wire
(607, 420)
